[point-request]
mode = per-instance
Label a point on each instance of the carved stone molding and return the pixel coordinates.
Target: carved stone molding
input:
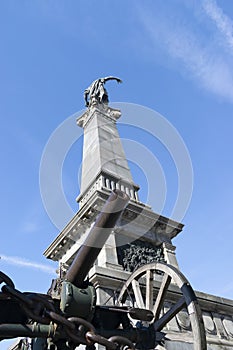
(209, 323)
(184, 320)
(228, 325)
(219, 325)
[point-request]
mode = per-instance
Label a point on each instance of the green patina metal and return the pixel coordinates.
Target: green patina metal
(78, 302)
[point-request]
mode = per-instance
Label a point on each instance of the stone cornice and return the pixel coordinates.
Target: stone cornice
(106, 111)
(136, 218)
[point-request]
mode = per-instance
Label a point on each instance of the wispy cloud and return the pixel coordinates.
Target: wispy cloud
(222, 21)
(18, 261)
(191, 52)
(29, 227)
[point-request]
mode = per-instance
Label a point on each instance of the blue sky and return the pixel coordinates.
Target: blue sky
(175, 57)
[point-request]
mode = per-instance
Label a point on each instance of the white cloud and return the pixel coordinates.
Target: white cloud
(222, 21)
(29, 227)
(15, 260)
(191, 53)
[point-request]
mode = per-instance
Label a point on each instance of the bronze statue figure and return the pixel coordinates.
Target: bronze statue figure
(96, 92)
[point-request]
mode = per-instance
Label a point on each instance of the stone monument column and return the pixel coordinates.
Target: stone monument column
(141, 235)
(104, 162)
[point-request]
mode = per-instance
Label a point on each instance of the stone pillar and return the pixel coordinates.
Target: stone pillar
(169, 254)
(103, 153)
(108, 255)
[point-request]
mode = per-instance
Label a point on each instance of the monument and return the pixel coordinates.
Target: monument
(119, 285)
(145, 236)
(141, 236)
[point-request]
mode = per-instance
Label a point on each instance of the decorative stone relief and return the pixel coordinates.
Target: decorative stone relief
(138, 253)
(219, 325)
(184, 320)
(209, 323)
(228, 325)
(114, 113)
(130, 215)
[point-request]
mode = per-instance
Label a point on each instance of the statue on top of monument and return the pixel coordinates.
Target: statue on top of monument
(96, 92)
